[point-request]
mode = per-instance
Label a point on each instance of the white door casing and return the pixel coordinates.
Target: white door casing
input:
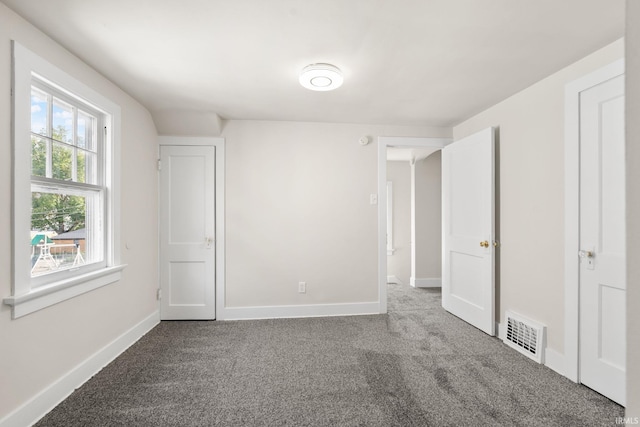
(602, 239)
(187, 232)
(468, 200)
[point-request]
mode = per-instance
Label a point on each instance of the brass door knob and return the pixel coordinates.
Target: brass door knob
(484, 244)
(585, 254)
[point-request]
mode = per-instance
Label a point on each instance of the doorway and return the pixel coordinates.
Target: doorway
(468, 206)
(414, 224)
(406, 152)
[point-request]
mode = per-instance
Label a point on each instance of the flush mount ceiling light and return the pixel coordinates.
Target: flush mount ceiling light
(321, 77)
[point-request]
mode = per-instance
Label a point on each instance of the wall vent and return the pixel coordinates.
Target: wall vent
(526, 336)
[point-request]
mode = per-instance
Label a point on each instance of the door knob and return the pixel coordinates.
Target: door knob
(484, 244)
(208, 241)
(585, 254)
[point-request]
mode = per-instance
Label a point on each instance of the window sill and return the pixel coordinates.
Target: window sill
(63, 290)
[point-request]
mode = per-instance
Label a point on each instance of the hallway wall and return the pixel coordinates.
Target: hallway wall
(429, 217)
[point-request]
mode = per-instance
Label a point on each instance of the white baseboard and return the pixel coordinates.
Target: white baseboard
(286, 311)
(47, 399)
(394, 279)
(426, 283)
(499, 332)
(554, 360)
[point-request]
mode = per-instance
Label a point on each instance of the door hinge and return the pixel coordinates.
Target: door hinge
(159, 164)
(159, 294)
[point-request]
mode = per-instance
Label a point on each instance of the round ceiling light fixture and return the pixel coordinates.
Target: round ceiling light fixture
(321, 77)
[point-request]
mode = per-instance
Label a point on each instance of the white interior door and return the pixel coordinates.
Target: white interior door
(187, 232)
(602, 239)
(468, 229)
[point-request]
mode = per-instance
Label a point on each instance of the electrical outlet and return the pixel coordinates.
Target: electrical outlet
(302, 287)
(373, 199)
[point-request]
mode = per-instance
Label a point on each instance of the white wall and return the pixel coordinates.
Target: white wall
(399, 264)
(297, 209)
(633, 206)
(40, 348)
(531, 162)
(429, 217)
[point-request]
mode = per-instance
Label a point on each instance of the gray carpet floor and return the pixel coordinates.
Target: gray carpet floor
(416, 366)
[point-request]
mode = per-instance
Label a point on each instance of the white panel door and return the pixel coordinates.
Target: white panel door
(187, 232)
(468, 229)
(602, 239)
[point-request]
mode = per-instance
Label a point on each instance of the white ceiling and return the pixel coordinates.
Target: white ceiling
(408, 62)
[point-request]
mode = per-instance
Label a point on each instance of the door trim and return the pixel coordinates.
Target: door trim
(219, 144)
(572, 211)
(383, 143)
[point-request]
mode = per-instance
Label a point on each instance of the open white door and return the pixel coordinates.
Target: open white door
(468, 198)
(187, 233)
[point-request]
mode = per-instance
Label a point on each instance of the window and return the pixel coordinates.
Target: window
(67, 184)
(65, 144)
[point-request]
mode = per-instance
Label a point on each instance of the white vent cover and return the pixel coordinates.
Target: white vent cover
(525, 335)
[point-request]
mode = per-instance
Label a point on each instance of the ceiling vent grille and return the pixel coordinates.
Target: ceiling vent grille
(526, 336)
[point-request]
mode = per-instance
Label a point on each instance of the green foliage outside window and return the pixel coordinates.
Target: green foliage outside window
(56, 212)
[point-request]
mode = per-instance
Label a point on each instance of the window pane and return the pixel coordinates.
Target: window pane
(62, 164)
(87, 167)
(62, 121)
(38, 156)
(59, 236)
(86, 131)
(39, 102)
(81, 166)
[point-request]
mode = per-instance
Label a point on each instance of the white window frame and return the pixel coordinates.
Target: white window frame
(29, 296)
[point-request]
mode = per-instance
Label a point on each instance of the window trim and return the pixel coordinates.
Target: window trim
(24, 299)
